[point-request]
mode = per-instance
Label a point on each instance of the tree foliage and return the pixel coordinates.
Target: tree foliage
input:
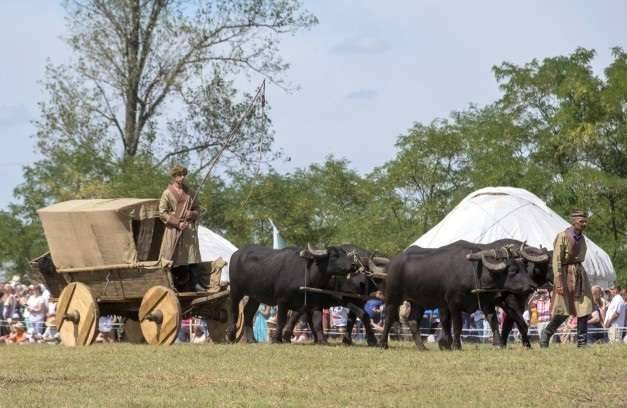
(152, 81)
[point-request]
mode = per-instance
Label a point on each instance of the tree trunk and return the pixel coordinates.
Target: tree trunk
(132, 85)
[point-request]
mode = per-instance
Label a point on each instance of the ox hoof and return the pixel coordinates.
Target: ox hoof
(347, 341)
(372, 341)
(443, 345)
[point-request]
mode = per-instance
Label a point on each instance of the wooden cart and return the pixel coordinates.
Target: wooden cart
(105, 259)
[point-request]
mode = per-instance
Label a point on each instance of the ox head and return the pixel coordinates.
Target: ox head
(500, 269)
(539, 265)
(333, 260)
(366, 261)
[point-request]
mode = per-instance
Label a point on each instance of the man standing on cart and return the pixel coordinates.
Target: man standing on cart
(180, 238)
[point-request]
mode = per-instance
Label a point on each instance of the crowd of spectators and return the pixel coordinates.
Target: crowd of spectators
(26, 314)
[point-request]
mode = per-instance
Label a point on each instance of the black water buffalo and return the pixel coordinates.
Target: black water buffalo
(361, 283)
(274, 277)
(447, 278)
(540, 271)
(538, 262)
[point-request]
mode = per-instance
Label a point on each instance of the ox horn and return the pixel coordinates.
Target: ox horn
(493, 266)
(380, 260)
(310, 252)
(374, 268)
(474, 256)
(483, 255)
(533, 258)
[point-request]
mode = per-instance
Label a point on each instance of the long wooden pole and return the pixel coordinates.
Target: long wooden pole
(259, 96)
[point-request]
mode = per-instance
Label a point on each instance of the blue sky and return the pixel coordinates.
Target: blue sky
(366, 73)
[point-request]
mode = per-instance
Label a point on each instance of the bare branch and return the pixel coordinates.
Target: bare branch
(202, 146)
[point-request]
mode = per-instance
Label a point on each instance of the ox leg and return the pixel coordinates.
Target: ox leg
(314, 318)
(492, 318)
(415, 328)
(456, 322)
(390, 318)
(347, 338)
(514, 315)
(357, 311)
(292, 319)
(249, 315)
(508, 325)
(444, 343)
(236, 297)
(281, 320)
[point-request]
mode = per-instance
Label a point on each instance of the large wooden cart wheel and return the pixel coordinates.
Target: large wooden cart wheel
(77, 315)
(160, 315)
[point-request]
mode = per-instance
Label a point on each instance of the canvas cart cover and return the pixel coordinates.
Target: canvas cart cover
(93, 233)
(494, 213)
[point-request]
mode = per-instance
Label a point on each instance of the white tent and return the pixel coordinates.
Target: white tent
(213, 246)
(494, 213)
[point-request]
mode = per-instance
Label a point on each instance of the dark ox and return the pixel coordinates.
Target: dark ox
(445, 278)
(541, 272)
(538, 264)
(361, 283)
(274, 277)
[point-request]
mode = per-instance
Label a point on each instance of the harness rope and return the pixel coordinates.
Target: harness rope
(496, 253)
(306, 280)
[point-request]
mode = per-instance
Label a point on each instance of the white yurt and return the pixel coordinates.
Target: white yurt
(494, 213)
(214, 246)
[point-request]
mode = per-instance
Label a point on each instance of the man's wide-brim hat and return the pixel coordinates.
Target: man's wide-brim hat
(178, 170)
(577, 212)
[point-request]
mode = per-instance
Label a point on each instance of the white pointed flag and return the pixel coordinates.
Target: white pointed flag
(277, 240)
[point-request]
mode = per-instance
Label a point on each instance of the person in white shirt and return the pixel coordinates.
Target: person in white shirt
(615, 316)
(45, 293)
(37, 309)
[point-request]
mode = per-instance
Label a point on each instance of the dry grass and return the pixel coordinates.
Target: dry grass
(308, 375)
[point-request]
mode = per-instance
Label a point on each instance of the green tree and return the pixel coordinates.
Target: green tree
(140, 67)
(576, 121)
(428, 170)
(19, 243)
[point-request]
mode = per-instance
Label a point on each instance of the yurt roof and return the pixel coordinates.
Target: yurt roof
(494, 213)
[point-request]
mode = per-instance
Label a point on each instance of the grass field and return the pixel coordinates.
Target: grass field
(124, 375)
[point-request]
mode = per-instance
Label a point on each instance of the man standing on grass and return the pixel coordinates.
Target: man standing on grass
(572, 292)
